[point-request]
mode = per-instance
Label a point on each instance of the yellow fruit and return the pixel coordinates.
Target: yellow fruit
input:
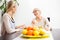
(36, 33)
(40, 27)
(42, 31)
(24, 31)
(45, 36)
(36, 28)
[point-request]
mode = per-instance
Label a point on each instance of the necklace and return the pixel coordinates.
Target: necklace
(38, 19)
(12, 20)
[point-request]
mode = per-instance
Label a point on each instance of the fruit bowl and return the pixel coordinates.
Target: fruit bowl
(34, 32)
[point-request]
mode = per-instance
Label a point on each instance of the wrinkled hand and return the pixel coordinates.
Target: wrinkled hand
(47, 29)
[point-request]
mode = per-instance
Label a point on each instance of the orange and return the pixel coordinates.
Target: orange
(30, 28)
(30, 32)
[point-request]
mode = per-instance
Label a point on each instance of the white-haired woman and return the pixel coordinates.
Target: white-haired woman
(39, 20)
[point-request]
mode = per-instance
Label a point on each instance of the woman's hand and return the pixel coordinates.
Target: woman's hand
(17, 30)
(47, 29)
(21, 26)
(34, 22)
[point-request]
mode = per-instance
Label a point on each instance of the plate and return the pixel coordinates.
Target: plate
(40, 36)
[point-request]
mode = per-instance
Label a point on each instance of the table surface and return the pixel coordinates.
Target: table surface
(16, 36)
(11, 36)
(20, 38)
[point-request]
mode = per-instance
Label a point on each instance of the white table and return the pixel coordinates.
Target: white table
(50, 38)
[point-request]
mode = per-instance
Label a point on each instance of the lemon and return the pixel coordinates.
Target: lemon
(36, 28)
(24, 31)
(36, 33)
(42, 31)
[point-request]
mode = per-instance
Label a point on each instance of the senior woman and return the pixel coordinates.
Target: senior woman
(8, 20)
(39, 20)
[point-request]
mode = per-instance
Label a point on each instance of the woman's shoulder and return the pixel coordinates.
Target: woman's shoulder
(5, 16)
(34, 19)
(43, 18)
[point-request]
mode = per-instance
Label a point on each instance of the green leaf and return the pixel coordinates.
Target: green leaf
(4, 10)
(16, 2)
(1, 7)
(0, 0)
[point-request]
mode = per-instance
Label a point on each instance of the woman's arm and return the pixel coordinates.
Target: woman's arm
(47, 25)
(34, 22)
(8, 25)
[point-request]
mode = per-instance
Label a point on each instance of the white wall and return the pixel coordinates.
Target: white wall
(49, 8)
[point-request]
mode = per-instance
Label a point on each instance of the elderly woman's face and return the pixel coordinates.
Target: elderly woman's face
(37, 13)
